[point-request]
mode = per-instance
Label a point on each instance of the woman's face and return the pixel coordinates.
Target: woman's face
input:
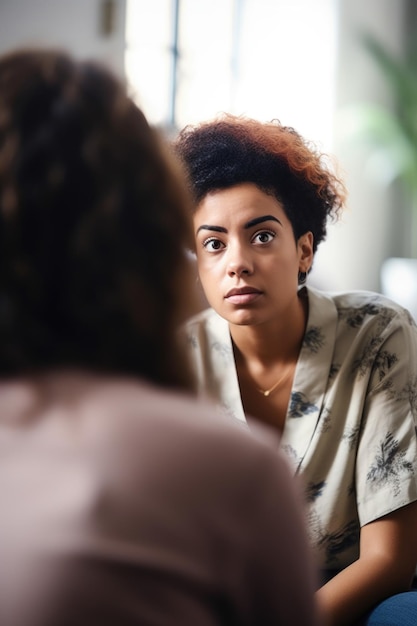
(248, 259)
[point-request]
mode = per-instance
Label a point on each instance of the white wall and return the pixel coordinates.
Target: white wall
(352, 255)
(75, 25)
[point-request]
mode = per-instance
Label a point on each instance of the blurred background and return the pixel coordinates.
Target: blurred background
(336, 70)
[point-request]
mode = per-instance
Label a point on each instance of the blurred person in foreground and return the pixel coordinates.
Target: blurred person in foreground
(334, 374)
(124, 500)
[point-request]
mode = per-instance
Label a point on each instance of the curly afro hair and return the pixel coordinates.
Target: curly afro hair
(230, 150)
(94, 220)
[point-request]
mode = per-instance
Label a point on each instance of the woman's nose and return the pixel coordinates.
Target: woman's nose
(239, 264)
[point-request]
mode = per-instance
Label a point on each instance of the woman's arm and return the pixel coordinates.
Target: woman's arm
(387, 561)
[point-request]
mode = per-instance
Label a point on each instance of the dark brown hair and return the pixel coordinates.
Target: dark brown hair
(94, 221)
(231, 150)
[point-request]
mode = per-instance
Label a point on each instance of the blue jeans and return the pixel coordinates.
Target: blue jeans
(398, 610)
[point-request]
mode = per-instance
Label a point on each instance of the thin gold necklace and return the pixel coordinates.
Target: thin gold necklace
(267, 392)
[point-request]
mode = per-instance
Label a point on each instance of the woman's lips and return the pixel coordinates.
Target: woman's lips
(244, 295)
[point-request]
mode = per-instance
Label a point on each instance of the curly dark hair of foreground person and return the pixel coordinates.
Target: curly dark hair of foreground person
(230, 150)
(94, 221)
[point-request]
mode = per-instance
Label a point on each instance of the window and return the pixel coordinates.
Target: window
(188, 60)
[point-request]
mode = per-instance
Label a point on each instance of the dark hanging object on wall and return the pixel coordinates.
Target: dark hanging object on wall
(107, 17)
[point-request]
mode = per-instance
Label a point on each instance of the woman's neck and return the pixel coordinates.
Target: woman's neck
(266, 358)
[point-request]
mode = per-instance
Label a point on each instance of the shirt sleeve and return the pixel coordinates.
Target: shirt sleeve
(386, 469)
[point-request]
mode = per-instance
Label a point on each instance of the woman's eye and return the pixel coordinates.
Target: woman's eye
(212, 244)
(263, 236)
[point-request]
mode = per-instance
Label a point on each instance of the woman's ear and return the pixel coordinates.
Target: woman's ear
(305, 251)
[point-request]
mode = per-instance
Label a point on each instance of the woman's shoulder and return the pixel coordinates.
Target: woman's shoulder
(357, 304)
(206, 323)
(139, 425)
(137, 405)
(123, 420)
(202, 318)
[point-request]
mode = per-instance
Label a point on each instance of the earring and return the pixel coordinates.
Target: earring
(302, 277)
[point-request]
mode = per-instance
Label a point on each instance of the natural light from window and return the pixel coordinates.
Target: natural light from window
(262, 58)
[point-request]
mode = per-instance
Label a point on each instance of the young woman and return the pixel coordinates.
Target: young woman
(113, 512)
(334, 374)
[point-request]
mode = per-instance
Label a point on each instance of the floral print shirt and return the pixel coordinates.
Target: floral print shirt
(350, 428)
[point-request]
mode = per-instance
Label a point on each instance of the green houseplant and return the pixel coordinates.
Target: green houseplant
(390, 131)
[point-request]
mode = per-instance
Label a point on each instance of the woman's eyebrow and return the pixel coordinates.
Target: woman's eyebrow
(217, 229)
(259, 220)
(254, 222)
